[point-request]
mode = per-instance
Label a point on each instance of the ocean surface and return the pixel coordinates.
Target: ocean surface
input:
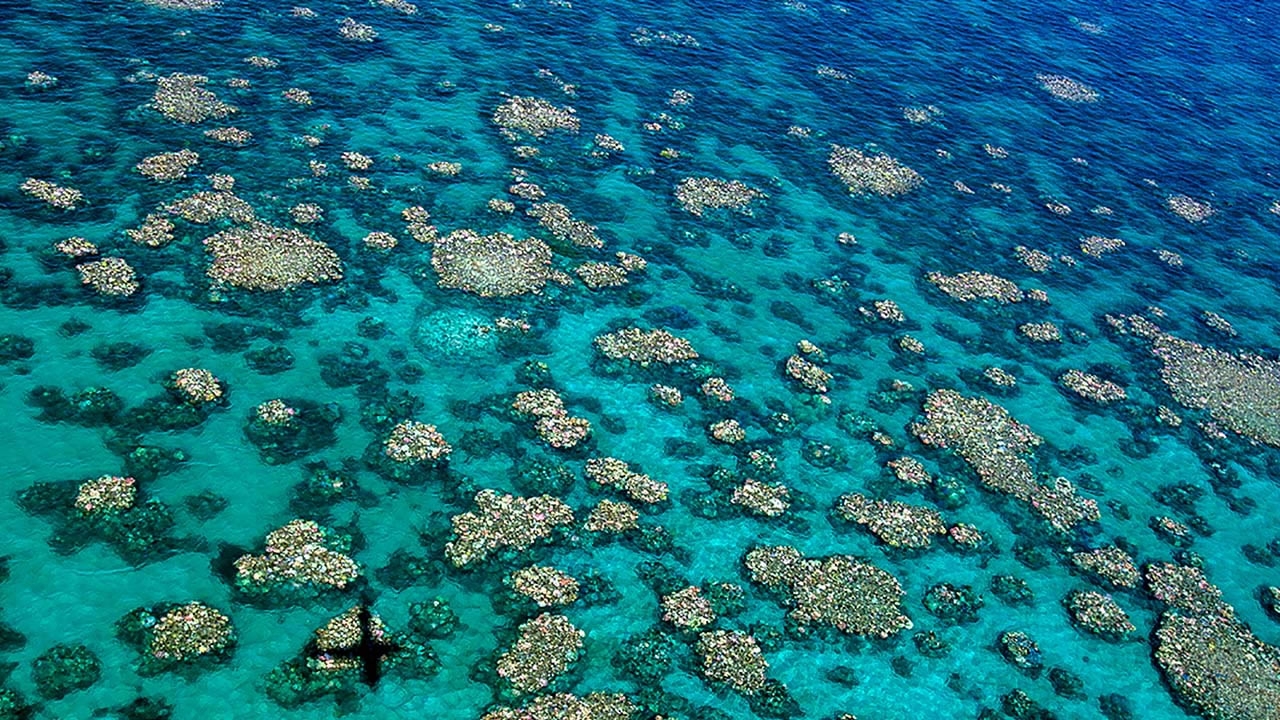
(797, 190)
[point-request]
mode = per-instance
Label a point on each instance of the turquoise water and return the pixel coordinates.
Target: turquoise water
(1184, 107)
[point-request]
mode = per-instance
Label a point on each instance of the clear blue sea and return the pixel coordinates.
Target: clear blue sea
(1024, 125)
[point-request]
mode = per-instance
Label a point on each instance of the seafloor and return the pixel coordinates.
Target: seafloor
(830, 359)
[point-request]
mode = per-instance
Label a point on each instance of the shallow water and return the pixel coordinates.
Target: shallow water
(1184, 107)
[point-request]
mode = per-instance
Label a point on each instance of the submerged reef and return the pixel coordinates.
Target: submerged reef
(997, 446)
(896, 524)
(259, 256)
(696, 195)
(500, 522)
(109, 509)
(645, 347)
(871, 173)
(854, 597)
(354, 649)
(300, 560)
(1212, 661)
(284, 429)
(534, 116)
(178, 637)
(64, 669)
(496, 265)
(622, 361)
(1240, 391)
(543, 650)
(593, 706)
